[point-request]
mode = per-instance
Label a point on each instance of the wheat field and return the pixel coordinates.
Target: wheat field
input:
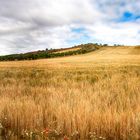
(84, 97)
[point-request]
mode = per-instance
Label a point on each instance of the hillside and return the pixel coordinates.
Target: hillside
(103, 56)
(79, 49)
(82, 97)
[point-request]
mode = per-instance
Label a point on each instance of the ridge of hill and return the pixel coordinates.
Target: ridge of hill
(54, 53)
(51, 53)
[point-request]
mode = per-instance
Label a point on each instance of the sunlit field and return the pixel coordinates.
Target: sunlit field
(68, 49)
(84, 97)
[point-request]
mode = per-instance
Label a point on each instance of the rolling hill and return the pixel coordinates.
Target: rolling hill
(87, 96)
(79, 49)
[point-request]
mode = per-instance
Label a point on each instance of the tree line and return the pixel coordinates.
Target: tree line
(84, 48)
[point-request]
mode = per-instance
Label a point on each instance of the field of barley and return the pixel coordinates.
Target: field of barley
(84, 97)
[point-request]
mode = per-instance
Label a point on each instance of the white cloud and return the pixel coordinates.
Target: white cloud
(121, 33)
(27, 25)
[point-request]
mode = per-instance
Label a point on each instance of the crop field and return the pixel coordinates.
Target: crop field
(67, 50)
(84, 97)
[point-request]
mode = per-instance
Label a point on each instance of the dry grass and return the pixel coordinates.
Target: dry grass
(67, 50)
(85, 96)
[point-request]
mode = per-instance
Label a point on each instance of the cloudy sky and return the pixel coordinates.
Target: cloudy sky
(27, 25)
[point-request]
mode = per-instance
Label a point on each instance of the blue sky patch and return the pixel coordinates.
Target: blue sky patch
(129, 16)
(78, 30)
(83, 37)
(81, 40)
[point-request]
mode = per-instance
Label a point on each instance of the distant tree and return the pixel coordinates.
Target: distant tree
(96, 44)
(105, 45)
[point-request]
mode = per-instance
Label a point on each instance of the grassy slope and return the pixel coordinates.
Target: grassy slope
(52, 53)
(96, 94)
(103, 56)
(67, 50)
